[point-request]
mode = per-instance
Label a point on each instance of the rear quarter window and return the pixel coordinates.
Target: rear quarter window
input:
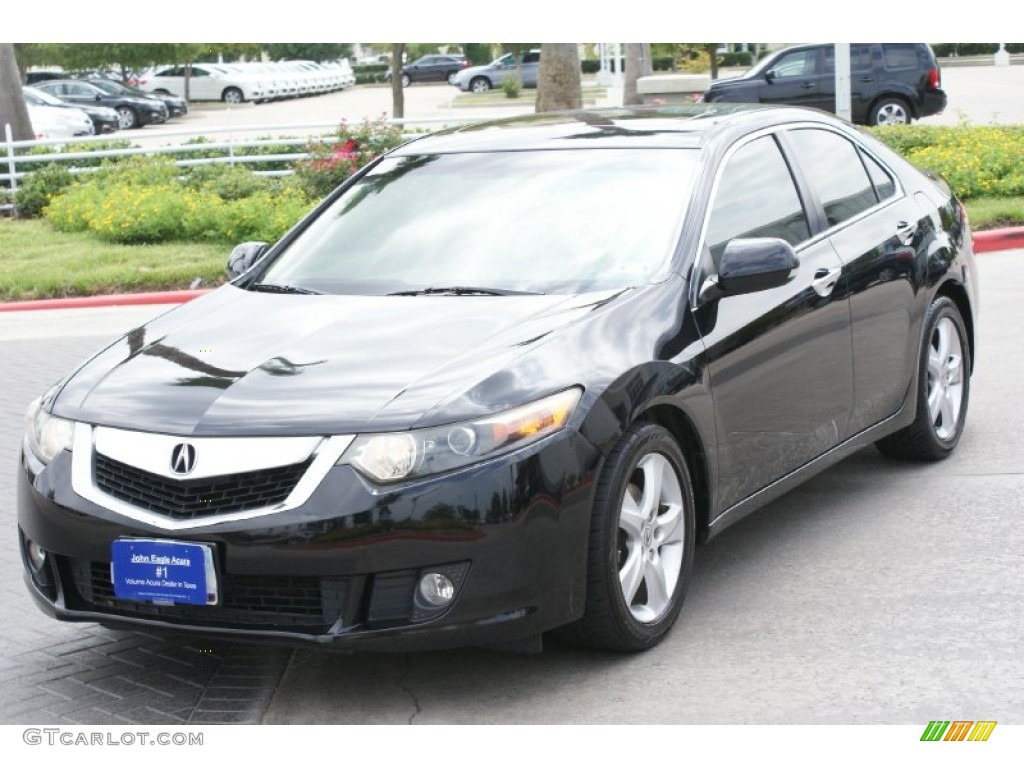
(899, 55)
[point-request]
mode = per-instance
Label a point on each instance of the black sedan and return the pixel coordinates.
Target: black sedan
(132, 111)
(176, 106)
(437, 68)
(503, 381)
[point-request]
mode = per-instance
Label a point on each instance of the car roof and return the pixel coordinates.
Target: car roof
(658, 127)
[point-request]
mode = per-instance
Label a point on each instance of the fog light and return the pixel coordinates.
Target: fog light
(436, 589)
(36, 556)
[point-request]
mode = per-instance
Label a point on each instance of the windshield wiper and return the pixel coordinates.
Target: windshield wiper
(463, 290)
(274, 288)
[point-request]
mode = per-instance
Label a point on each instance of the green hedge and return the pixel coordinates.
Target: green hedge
(973, 49)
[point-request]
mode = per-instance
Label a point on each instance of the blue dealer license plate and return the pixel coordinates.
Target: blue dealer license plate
(163, 572)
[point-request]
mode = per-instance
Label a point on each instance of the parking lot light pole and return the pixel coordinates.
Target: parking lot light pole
(842, 64)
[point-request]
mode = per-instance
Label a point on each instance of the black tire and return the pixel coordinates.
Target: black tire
(933, 436)
(890, 110)
(609, 622)
(480, 85)
(232, 95)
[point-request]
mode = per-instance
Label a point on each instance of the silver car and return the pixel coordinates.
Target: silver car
(483, 79)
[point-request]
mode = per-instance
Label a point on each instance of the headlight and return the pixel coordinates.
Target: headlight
(394, 456)
(47, 435)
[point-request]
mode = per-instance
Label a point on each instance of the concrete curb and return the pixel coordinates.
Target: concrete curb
(984, 242)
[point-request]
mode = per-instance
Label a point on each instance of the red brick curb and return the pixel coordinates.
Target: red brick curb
(999, 239)
(110, 300)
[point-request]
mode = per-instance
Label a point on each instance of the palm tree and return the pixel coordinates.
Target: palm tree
(12, 103)
(558, 81)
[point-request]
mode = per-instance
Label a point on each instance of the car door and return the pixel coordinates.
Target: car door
(794, 79)
(863, 81)
(780, 361)
(203, 86)
(531, 68)
(876, 230)
(73, 93)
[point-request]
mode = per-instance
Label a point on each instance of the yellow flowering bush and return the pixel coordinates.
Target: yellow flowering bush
(977, 161)
(148, 200)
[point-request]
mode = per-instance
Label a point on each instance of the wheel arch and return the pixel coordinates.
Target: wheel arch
(958, 295)
(686, 434)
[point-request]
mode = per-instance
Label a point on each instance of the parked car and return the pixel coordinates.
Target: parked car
(434, 68)
(503, 381)
(891, 83)
(207, 83)
(132, 111)
(175, 105)
(484, 78)
(57, 123)
(100, 119)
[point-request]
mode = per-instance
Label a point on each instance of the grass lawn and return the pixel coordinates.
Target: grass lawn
(38, 262)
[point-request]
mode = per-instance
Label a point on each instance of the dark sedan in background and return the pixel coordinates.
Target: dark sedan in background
(132, 111)
(436, 68)
(503, 381)
(176, 106)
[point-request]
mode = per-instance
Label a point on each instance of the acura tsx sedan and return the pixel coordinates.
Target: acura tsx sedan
(503, 381)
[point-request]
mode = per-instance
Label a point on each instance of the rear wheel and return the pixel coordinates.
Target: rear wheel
(641, 544)
(944, 385)
(406, 81)
(450, 77)
(891, 110)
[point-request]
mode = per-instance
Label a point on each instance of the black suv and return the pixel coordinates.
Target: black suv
(890, 83)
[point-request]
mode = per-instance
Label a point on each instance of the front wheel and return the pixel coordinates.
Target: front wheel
(480, 85)
(890, 111)
(944, 385)
(641, 544)
(126, 118)
(233, 96)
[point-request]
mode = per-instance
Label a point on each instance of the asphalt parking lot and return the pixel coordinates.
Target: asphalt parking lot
(877, 593)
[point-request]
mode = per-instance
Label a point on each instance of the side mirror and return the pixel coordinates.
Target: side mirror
(98, 97)
(770, 75)
(749, 265)
(244, 256)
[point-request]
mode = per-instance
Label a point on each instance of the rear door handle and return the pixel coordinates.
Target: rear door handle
(905, 232)
(825, 280)
(807, 86)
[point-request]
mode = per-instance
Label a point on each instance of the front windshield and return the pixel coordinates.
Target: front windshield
(537, 221)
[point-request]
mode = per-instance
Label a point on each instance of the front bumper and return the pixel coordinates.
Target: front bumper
(342, 568)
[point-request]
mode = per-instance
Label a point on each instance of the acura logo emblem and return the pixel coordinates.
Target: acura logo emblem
(183, 458)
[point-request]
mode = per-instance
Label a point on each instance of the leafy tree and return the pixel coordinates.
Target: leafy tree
(478, 53)
(308, 51)
(558, 79)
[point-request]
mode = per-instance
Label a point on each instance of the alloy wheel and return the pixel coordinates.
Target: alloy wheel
(945, 378)
(650, 538)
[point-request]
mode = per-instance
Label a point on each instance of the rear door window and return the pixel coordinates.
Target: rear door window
(833, 166)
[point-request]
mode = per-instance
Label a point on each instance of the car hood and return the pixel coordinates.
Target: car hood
(238, 362)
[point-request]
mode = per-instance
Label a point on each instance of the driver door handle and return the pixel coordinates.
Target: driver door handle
(825, 280)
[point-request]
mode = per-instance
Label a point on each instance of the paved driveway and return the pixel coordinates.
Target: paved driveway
(876, 593)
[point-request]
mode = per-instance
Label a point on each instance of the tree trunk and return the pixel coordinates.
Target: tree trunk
(558, 81)
(12, 103)
(638, 64)
(397, 96)
(712, 49)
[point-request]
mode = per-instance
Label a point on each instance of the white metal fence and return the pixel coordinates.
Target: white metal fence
(19, 159)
